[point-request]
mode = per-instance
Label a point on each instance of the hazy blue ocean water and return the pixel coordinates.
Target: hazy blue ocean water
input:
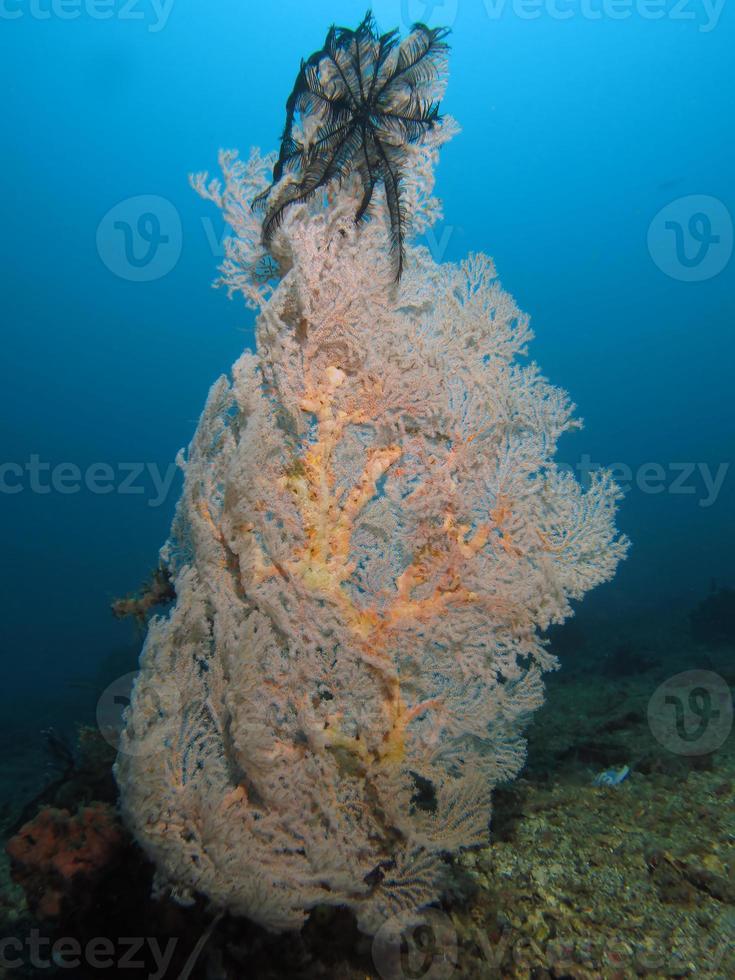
(580, 123)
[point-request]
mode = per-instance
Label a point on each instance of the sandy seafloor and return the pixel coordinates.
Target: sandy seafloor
(579, 881)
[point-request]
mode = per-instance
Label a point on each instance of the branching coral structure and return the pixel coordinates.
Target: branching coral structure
(372, 536)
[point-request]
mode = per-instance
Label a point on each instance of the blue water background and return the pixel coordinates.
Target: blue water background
(575, 133)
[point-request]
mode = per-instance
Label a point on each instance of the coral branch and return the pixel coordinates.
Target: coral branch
(371, 538)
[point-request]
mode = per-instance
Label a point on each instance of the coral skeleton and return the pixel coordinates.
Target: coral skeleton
(372, 537)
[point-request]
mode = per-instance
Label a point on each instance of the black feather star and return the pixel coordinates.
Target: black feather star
(359, 103)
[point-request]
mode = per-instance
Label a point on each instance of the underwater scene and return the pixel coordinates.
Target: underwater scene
(371, 615)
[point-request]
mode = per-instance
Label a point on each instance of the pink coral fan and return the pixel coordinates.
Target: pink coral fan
(372, 537)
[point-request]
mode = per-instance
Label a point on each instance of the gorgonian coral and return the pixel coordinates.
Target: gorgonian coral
(371, 537)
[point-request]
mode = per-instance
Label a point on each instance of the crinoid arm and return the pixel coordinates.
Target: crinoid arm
(356, 106)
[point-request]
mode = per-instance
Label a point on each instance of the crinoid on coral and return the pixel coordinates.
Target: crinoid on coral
(357, 104)
(371, 539)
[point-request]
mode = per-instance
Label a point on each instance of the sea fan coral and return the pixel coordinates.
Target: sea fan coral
(371, 536)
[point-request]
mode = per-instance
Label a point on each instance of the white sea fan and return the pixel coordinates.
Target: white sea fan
(372, 534)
